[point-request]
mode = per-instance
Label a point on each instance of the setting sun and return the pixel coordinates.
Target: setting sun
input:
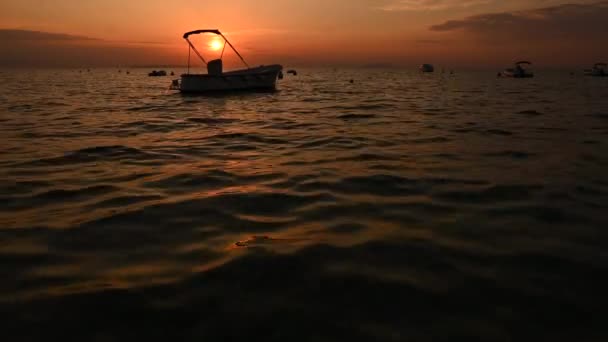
(216, 45)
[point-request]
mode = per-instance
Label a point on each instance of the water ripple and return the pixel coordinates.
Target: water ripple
(400, 206)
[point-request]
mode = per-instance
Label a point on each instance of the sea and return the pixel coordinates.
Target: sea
(352, 204)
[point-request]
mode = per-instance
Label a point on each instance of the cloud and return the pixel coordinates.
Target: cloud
(26, 35)
(431, 5)
(568, 21)
(24, 47)
(258, 32)
(559, 35)
(431, 41)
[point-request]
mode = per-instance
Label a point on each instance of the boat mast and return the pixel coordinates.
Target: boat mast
(234, 49)
(196, 51)
(192, 47)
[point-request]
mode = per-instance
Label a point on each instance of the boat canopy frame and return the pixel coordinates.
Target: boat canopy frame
(191, 46)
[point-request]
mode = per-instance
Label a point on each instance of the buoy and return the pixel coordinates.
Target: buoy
(352, 81)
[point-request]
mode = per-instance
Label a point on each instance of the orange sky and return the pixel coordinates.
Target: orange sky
(403, 32)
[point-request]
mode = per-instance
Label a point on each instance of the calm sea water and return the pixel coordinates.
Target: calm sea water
(398, 207)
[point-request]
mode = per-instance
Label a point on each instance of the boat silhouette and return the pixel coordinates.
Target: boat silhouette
(256, 78)
(518, 71)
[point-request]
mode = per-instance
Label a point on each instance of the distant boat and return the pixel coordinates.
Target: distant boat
(427, 68)
(598, 70)
(262, 77)
(157, 73)
(518, 72)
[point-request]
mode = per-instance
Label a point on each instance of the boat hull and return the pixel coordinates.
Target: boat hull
(515, 74)
(157, 73)
(596, 73)
(427, 68)
(260, 78)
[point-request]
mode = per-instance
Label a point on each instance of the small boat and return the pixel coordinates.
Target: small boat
(157, 73)
(256, 78)
(427, 68)
(518, 71)
(598, 70)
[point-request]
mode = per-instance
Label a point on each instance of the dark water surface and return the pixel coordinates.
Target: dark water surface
(401, 207)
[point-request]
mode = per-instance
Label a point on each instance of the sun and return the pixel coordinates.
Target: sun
(216, 45)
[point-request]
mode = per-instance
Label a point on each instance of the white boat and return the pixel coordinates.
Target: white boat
(427, 68)
(518, 71)
(257, 78)
(599, 70)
